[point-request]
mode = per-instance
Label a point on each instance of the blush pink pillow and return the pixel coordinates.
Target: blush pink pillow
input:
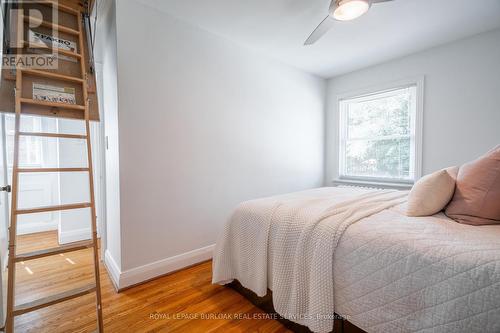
(476, 199)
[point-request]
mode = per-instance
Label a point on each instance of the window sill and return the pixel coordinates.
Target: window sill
(365, 183)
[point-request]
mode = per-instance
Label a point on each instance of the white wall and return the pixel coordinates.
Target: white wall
(106, 56)
(203, 125)
(461, 99)
(74, 224)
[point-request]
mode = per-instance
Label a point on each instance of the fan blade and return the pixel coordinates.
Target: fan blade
(376, 1)
(320, 30)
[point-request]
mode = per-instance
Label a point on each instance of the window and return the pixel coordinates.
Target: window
(378, 136)
(30, 148)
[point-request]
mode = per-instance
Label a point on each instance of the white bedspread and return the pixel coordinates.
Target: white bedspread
(394, 273)
(387, 273)
(295, 236)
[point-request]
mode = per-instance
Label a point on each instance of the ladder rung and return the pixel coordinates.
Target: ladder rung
(53, 299)
(52, 208)
(52, 169)
(52, 104)
(36, 21)
(60, 6)
(58, 50)
(53, 135)
(56, 76)
(76, 246)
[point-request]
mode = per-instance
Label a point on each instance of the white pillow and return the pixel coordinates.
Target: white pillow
(431, 193)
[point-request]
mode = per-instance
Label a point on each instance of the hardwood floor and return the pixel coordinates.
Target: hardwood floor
(180, 302)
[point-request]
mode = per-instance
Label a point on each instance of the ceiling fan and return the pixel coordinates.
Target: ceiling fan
(341, 10)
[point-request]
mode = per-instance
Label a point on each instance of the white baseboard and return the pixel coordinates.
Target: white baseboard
(74, 235)
(113, 269)
(34, 227)
(149, 271)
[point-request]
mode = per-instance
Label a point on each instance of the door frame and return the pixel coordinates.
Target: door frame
(8, 181)
(6, 210)
(99, 157)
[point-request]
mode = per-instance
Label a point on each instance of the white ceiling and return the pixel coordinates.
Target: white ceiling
(389, 30)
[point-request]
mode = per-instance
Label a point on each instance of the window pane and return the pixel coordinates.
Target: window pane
(378, 158)
(30, 148)
(27, 124)
(378, 135)
(378, 116)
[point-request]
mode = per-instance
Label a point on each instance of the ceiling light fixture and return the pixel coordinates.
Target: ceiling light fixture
(346, 10)
(341, 10)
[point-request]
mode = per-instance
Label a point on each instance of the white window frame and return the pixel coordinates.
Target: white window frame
(417, 120)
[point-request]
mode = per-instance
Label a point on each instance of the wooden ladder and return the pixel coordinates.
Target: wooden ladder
(14, 258)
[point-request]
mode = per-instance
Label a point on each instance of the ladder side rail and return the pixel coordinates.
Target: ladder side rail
(11, 308)
(91, 178)
(9, 324)
(9, 321)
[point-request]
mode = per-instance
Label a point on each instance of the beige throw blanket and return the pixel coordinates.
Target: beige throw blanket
(306, 229)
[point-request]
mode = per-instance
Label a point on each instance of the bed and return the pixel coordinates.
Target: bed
(353, 252)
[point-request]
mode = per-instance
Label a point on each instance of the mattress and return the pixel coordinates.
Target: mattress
(394, 273)
(386, 272)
